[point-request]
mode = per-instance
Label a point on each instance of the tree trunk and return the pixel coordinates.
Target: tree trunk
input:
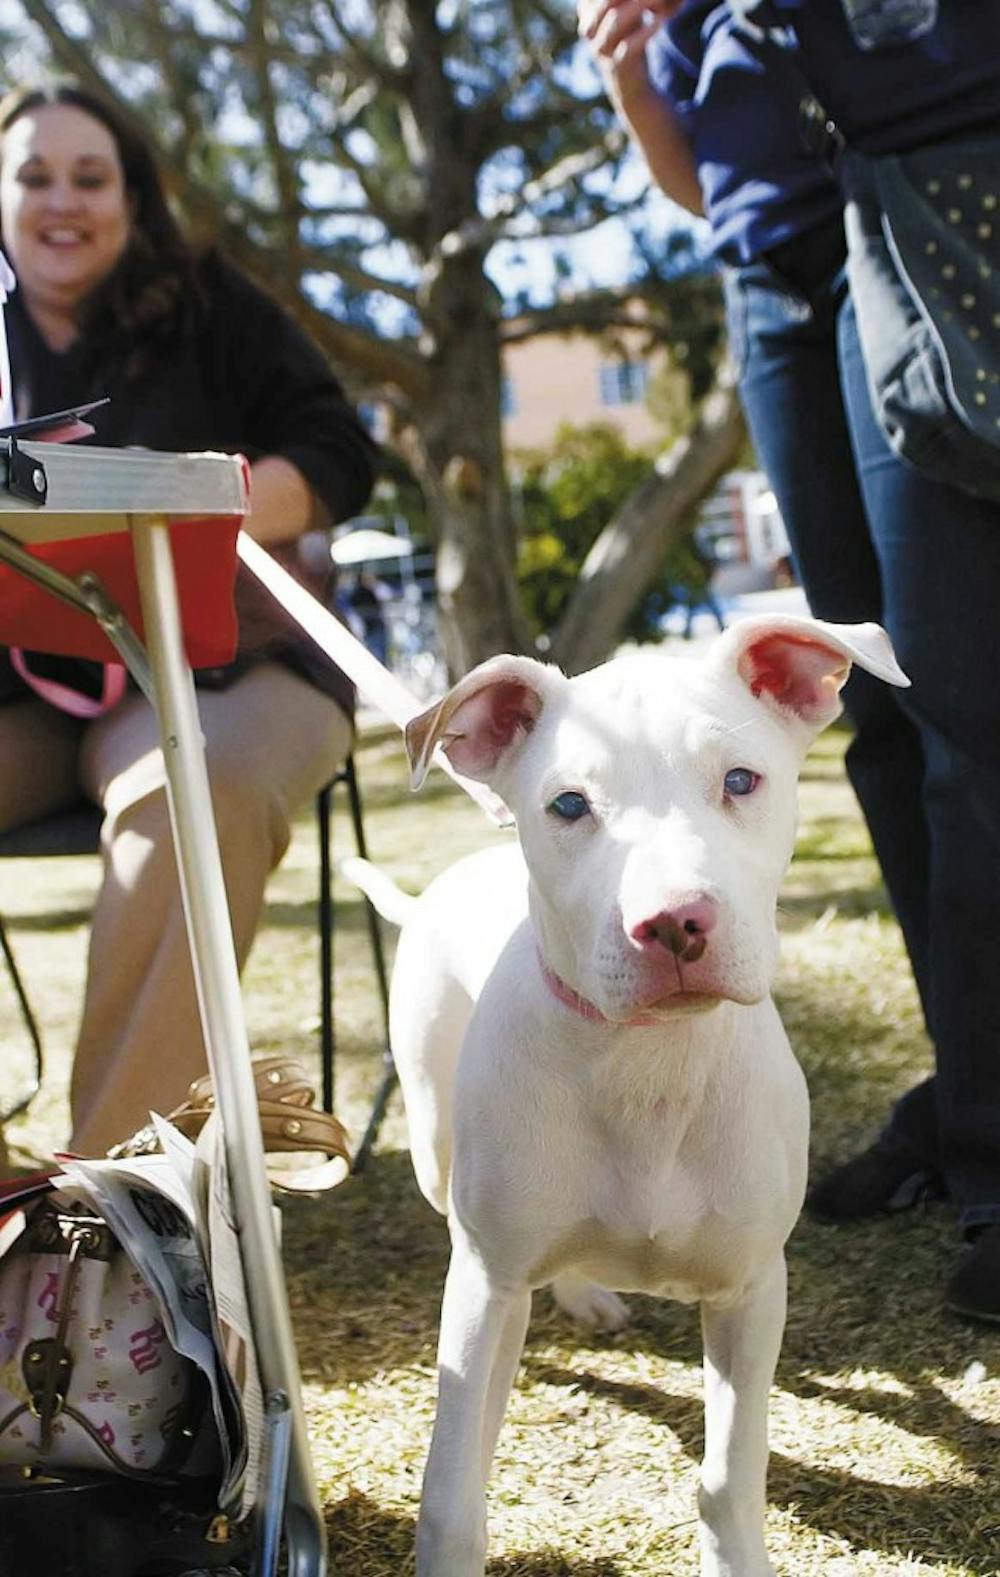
(469, 514)
(625, 558)
(455, 447)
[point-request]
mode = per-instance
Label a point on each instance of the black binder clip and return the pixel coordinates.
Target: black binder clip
(26, 477)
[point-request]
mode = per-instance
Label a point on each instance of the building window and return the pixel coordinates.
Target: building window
(508, 403)
(623, 382)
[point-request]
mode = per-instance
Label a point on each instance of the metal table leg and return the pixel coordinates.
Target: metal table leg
(217, 977)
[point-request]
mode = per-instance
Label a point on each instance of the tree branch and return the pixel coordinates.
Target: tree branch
(179, 91)
(655, 515)
(377, 361)
(286, 179)
(315, 260)
(372, 63)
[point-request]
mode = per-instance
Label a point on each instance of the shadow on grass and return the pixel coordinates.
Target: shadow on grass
(51, 920)
(682, 1415)
(929, 1522)
(366, 1540)
(848, 1105)
(350, 918)
(368, 1267)
(366, 1270)
(551, 1564)
(796, 911)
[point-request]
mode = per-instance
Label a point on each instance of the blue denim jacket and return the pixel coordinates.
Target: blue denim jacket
(759, 184)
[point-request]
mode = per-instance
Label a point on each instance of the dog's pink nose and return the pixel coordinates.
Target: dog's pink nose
(683, 930)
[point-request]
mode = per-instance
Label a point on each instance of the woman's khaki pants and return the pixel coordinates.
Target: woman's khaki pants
(272, 741)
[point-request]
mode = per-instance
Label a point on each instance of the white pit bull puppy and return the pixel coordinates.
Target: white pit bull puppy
(599, 1090)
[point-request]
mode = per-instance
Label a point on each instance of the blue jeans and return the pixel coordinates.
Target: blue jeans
(872, 539)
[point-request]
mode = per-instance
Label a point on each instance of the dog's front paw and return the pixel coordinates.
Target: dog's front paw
(590, 1304)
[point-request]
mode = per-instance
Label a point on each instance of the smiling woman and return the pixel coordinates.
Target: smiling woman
(112, 301)
(66, 211)
(85, 222)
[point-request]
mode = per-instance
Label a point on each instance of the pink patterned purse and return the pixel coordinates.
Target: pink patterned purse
(88, 1378)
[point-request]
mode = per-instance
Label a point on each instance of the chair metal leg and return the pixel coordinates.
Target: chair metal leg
(31, 1024)
(348, 776)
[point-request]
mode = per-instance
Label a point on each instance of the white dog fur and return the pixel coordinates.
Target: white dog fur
(600, 1093)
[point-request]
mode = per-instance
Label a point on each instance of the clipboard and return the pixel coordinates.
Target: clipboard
(57, 426)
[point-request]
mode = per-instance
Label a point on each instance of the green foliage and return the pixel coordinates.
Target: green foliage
(568, 494)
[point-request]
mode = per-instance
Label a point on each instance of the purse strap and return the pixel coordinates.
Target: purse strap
(276, 1077)
(773, 44)
(290, 1123)
(47, 1363)
(63, 697)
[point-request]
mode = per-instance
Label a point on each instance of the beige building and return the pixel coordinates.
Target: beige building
(579, 379)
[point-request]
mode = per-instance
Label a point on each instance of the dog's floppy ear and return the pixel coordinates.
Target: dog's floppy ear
(493, 708)
(800, 665)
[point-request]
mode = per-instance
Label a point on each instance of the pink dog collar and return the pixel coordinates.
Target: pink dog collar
(586, 1009)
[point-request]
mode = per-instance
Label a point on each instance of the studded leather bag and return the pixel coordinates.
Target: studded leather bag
(923, 261)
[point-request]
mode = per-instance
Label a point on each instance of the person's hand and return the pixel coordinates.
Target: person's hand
(618, 31)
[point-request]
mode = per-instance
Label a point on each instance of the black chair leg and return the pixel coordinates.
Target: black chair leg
(348, 776)
(31, 1024)
(327, 1045)
(374, 923)
(380, 1105)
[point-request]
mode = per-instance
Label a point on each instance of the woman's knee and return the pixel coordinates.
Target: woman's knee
(250, 812)
(39, 775)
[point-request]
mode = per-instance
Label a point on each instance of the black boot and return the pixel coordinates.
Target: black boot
(889, 1176)
(973, 1290)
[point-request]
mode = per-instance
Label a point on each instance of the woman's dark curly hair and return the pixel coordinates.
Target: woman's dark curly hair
(151, 294)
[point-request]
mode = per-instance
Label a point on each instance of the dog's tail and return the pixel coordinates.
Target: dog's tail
(391, 902)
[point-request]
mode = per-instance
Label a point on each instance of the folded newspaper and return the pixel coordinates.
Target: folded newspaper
(171, 1213)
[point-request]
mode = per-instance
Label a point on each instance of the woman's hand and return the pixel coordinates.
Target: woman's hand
(618, 32)
(282, 504)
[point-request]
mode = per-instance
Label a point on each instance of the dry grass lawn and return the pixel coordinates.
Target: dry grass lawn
(886, 1411)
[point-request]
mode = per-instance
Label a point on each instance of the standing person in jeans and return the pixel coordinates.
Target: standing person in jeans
(872, 538)
(112, 300)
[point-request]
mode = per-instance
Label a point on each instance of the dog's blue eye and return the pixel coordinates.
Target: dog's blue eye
(570, 806)
(740, 780)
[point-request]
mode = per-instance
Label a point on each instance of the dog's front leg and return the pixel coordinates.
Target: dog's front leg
(482, 1333)
(741, 1350)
